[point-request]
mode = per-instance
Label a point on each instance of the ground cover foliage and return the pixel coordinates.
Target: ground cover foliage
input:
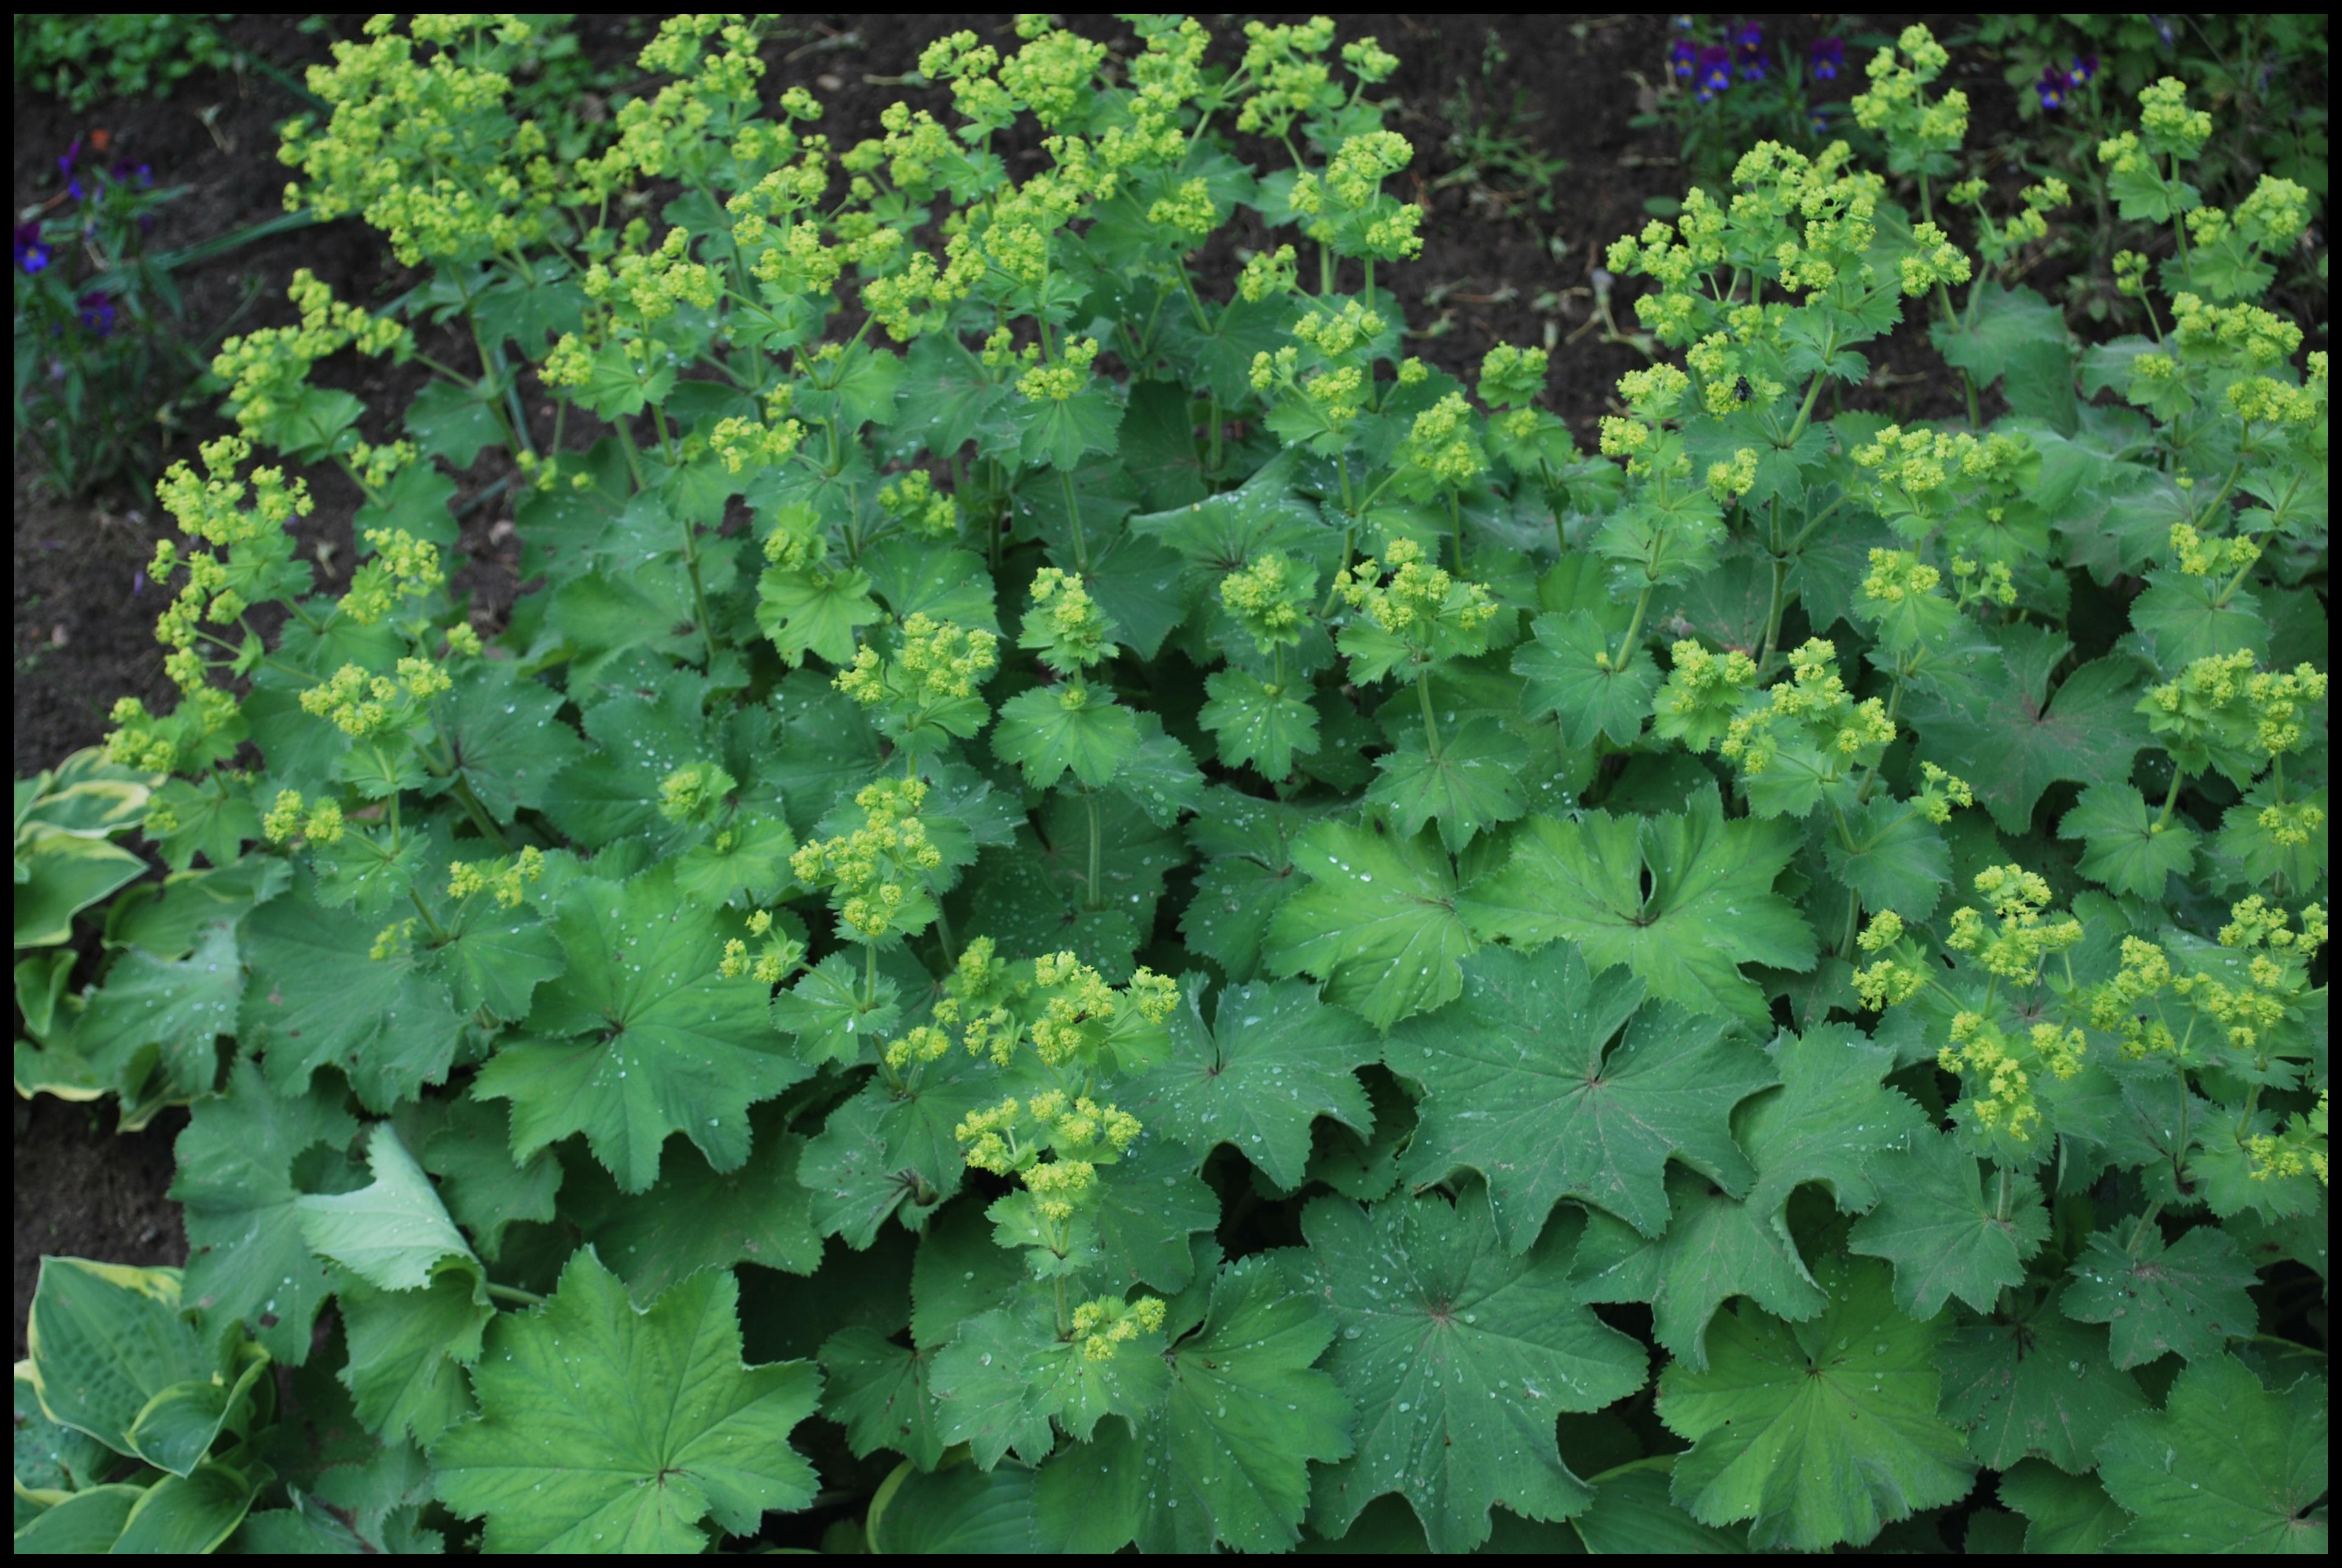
(1245, 947)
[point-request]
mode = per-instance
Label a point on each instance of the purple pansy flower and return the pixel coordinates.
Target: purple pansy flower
(65, 167)
(31, 254)
(2085, 67)
(1749, 41)
(1828, 57)
(97, 312)
(1714, 71)
(1682, 57)
(2052, 87)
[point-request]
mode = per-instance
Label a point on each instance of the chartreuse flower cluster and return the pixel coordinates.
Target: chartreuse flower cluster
(1930, 750)
(877, 874)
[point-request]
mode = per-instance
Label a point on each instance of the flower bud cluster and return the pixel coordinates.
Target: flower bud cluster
(1107, 1323)
(1811, 713)
(403, 567)
(1999, 1070)
(696, 792)
(781, 955)
(1410, 599)
(424, 147)
(1270, 598)
(2016, 947)
(1702, 693)
(366, 707)
(933, 678)
(1065, 626)
(288, 817)
(877, 872)
(507, 880)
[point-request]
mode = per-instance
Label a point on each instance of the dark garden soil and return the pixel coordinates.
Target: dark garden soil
(1495, 268)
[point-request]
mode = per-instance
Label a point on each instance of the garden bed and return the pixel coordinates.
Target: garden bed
(83, 616)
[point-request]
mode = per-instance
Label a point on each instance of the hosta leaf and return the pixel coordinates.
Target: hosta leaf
(1273, 1060)
(1950, 1227)
(1225, 1458)
(2042, 1386)
(958, 1510)
(644, 1039)
(2124, 848)
(1516, 1086)
(1829, 1121)
(67, 873)
(2027, 737)
(1570, 669)
(1710, 906)
(1821, 1431)
(52, 1458)
(188, 1515)
(2188, 1296)
(2225, 1465)
(1458, 1358)
(86, 1524)
(607, 1428)
(1377, 922)
(112, 1354)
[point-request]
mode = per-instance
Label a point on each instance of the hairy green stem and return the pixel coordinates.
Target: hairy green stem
(1634, 628)
(1091, 898)
(1074, 520)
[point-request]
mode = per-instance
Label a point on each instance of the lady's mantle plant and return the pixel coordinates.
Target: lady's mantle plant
(1219, 891)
